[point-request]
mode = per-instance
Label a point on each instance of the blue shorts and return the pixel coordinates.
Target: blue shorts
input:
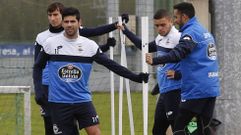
(64, 116)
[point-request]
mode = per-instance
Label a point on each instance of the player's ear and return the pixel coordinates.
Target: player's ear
(170, 20)
(80, 24)
(80, 21)
(186, 18)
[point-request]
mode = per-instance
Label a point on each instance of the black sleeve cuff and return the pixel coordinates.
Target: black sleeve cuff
(104, 48)
(158, 60)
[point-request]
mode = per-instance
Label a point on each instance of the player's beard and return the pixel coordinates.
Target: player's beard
(164, 33)
(181, 23)
(70, 32)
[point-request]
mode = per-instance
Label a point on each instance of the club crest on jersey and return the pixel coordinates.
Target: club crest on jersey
(80, 48)
(69, 73)
(211, 52)
(56, 51)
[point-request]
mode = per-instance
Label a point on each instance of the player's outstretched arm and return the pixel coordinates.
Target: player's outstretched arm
(136, 40)
(181, 51)
(90, 32)
(110, 42)
(97, 31)
(118, 69)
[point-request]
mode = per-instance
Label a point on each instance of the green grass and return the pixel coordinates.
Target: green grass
(11, 114)
(103, 108)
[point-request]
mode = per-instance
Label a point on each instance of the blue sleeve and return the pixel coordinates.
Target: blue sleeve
(90, 32)
(102, 59)
(37, 48)
(137, 41)
(38, 67)
(181, 51)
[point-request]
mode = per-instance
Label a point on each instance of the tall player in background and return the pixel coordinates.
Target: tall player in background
(197, 54)
(69, 70)
(54, 12)
(168, 75)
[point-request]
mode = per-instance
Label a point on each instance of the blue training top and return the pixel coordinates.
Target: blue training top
(200, 68)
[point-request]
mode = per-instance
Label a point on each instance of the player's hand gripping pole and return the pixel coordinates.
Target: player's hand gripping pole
(112, 90)
(124, 63)
(145, 34)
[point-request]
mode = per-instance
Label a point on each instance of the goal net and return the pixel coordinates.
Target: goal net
(15, 110)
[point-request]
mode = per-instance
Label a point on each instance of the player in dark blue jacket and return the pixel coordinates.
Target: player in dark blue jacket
(197, 54)
(70, 59)
(54, 12)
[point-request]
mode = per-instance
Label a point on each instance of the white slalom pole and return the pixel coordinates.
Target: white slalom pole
(121, 85)
(112, 90)
(131, 120)
(128, 91)
(120, 105)
(145, 34)
(124, 63)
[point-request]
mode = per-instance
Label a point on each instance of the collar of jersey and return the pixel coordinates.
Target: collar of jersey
(55, 30)
(190, 22)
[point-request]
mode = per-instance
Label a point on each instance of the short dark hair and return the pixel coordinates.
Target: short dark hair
(161, 13)
(55, 6)
(71, 11)
(185, 8)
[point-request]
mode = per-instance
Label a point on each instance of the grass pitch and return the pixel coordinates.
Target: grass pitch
(101, 101)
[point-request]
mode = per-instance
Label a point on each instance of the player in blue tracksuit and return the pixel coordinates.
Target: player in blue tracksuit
(70, 59)
(197, 54)
(168, 75)
(54, 12)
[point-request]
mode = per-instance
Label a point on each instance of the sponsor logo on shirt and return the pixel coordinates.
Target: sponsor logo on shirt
(211, 52)
(212, 74)
(70, 73)
(207, 35)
